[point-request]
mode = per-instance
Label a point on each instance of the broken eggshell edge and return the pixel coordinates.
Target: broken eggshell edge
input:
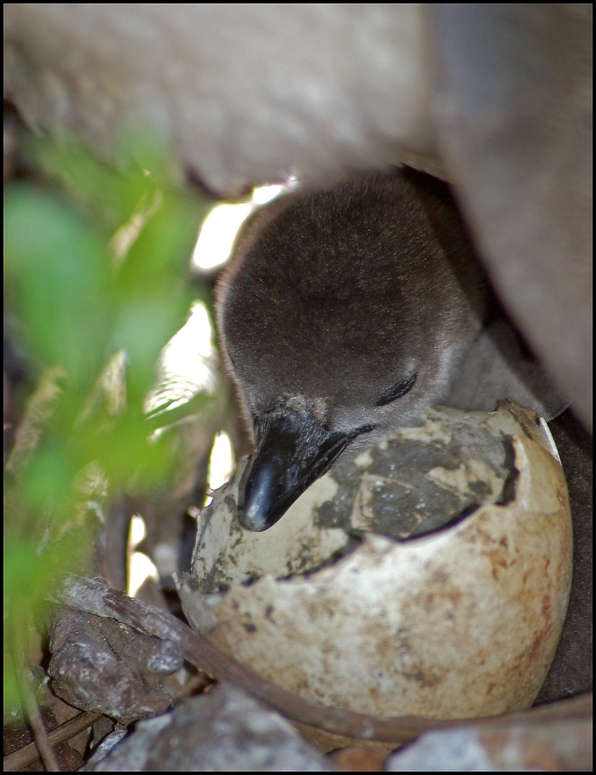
(460, 623)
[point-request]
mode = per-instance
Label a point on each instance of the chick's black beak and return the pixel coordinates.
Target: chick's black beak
(294, 450)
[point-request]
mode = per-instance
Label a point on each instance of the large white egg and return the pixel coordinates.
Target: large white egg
(462, 622)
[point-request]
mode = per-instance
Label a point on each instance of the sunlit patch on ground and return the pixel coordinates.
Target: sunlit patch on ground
(187, 364)
(221, 226)
(221, 461)
(140, 566)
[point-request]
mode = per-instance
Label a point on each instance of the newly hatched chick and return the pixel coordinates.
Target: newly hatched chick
(344, 314)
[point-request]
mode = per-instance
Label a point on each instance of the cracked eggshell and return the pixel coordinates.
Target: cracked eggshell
(463, 622)
(226, 554)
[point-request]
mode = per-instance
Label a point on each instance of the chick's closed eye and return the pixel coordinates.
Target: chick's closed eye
(397, 391)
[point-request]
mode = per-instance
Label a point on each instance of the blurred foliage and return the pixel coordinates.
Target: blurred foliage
(96, 266)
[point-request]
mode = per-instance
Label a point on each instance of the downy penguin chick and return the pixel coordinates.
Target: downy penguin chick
(344, 314)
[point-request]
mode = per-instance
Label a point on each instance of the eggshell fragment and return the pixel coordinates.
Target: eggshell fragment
(462, 622)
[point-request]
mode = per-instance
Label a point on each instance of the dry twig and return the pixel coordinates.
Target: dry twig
(29, 753)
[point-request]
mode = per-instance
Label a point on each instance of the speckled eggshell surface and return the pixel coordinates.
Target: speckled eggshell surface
(462, 622)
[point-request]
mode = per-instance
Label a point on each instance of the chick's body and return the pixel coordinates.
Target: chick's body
(344, 314)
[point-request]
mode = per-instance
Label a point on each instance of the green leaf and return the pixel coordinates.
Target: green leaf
(58, 275)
